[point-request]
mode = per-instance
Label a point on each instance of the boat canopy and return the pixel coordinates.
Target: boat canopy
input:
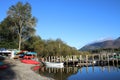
(33, 53)
(1, 63)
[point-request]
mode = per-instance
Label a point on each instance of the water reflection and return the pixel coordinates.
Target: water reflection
(57, 73)
(96, 73)
(81, 73)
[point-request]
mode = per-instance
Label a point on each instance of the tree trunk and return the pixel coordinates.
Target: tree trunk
(19, 42)
(20, 33)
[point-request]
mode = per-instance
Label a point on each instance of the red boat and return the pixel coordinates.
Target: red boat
(28, 61)
(36, 68)
(3, 66)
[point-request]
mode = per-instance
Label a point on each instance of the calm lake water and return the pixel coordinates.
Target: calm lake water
(84, 73)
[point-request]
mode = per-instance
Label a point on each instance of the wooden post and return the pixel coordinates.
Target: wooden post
(119, 58)
(113, 59)
(99, 57)
(80, 60)
(102, 62)
(86, 60)
(93, 59)
(108, 59)
(66, 61)
(117, 61)
(60, 58)
(54, 59)
(46, 59)
(51, 58)
(73, 60)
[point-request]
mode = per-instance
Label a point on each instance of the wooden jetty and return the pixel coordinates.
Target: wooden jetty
(87, 60)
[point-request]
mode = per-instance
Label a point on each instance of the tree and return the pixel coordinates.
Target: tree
(34, 43)
(8, 36)
(23, 20)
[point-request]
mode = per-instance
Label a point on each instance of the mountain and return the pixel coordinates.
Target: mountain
(104, 44)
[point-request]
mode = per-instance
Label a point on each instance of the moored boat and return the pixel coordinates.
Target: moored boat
(35, 68)
(54, 64)
(27, 61)
(3, 66)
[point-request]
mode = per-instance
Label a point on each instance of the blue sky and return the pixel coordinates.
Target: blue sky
(76, 22)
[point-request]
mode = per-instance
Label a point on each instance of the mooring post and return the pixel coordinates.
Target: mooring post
(86, 60)
(119, 58)
(113, 59)
(66, 61)
(54, 58)
(80, 60)
(117, 61)
(46, 59)
(72, 59)
(102, 62)
(60, 57)
(99, 58)
(108, 59)
(49, 58)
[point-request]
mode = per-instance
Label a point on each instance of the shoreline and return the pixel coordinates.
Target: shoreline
(20, 71)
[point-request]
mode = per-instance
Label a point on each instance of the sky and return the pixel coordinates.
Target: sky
(76, 22)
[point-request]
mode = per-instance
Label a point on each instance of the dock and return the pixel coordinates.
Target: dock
(86, 60)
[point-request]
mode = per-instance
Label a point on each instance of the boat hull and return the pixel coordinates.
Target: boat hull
(54, 64)
(3, 67)
(29, 61)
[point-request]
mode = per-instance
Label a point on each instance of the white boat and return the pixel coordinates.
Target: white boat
(54, 64)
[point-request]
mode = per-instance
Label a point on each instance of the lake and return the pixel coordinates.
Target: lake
(81, 73)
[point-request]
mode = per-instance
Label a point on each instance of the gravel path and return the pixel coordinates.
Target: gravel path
(20, 71)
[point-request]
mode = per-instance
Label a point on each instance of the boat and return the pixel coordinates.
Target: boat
(35, 68)
(28, 61)
(3, 66)
(54, 64)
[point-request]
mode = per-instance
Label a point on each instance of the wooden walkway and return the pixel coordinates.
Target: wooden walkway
(79, 60)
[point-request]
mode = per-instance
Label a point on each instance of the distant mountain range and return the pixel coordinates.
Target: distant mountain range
(104, 44)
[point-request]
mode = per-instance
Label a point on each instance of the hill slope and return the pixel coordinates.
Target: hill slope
(104, 44)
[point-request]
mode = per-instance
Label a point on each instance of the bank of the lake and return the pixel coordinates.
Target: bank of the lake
(19, 71)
